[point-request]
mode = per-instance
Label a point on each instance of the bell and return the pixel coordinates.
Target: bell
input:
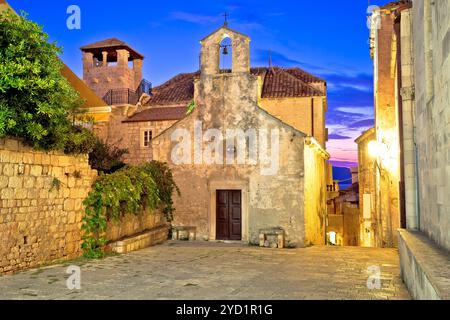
(225, 50)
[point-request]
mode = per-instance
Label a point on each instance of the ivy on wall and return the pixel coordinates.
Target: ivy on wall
(131, 190)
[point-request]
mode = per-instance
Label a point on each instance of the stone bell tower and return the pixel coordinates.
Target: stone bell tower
(226, 89)
(111, 64)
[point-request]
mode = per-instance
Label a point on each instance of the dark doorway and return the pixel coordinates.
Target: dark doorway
(228, 215)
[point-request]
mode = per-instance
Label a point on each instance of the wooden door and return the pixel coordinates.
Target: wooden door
(229, 215)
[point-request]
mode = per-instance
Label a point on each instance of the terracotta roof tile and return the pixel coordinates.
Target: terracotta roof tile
(278, 82)
(110, 43)
(179, 91)
(159, 114)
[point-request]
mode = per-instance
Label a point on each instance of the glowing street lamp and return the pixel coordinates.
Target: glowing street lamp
(377, 149)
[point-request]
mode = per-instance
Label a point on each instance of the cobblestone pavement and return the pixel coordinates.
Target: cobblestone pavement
(198, 270)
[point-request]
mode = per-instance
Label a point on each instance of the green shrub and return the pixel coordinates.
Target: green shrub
(80, 141)
(106, 158)
(35, 99)
(131, 190)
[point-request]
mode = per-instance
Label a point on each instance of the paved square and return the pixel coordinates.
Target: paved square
(203, 270)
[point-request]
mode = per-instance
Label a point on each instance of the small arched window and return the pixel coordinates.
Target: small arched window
(226, 54)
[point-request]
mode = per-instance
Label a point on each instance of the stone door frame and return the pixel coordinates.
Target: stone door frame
(241, 185)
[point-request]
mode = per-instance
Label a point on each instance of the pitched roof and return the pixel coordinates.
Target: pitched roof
(159, 114)
(277, 82)
(111, 43)
(225, 27)
(179, 91)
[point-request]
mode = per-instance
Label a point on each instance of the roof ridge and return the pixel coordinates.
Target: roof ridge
(317, 91)
(306, 73)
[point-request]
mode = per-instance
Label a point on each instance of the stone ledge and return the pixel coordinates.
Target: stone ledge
(146, 239)
(425, 267)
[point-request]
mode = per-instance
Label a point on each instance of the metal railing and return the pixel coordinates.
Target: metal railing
(127, 96)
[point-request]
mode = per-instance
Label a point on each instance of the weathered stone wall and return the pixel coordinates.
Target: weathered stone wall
(299, 112)
(268, 201)
(369, 235)
(103, 78)
(350, 212)
(40, 205)
(431, 33)
(387, 132)
(132, 224)
(227, 101)
(116, 131)
(314, 192)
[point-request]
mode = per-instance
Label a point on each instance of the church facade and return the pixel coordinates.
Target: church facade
(249, 157)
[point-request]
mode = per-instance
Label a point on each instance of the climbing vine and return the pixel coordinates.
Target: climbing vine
(131, 190)
(190, 107)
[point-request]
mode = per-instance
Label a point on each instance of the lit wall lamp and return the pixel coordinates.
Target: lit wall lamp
(377, 149)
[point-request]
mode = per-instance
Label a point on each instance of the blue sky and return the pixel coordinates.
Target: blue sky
(328, 38)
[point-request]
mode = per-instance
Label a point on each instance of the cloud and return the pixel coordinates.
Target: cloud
(243, 24)
(195, 18)
(278, 58)
(335, 136)
(366, 111)
(359, 82)
(366, 123)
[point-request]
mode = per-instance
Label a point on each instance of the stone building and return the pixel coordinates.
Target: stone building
(241, 170)
(292, 95)
(369, 216)
(425, 93)
(388, 209)
(416, 47)
(112, 64)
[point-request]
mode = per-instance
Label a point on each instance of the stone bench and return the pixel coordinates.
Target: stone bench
(271, 237)
(187, 233)
(425, 268)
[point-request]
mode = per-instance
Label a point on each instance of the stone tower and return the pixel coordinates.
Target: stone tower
(111, 64)
(233, 88)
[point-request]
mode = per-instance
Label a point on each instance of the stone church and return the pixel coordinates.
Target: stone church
(249, 157)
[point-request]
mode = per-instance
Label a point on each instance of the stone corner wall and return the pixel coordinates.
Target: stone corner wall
(431, 33)
(315, 199)
(41, 197)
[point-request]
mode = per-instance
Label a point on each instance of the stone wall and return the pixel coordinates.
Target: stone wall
(431, 33)
(105, 77)
(315, 192)
(369, 233)
(130, 225)
(299, 112)
(116, 131)
(40, 205)
(267, 201)
(387, 132)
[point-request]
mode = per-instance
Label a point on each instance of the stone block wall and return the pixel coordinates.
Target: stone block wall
(118, 132)
(315, 192)
(297, 112)
(431, 33)
(41, 207)
(130, 225)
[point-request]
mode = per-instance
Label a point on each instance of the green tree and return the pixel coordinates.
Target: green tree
(35, 99)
